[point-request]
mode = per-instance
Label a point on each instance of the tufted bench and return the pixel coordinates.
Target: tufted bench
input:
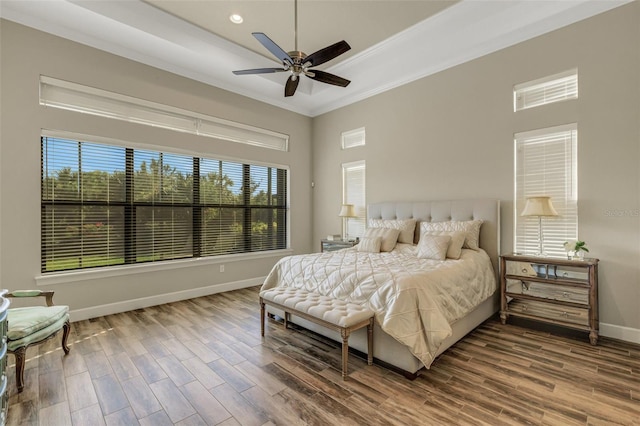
(331, 313)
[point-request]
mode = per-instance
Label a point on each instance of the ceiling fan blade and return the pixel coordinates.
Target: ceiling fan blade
(328, 78)
(272, 47)
(328, 53)
(291, 86)
(259, 71)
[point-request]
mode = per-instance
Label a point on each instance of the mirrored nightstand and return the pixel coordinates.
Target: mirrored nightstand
(557, 291)
(333, 245)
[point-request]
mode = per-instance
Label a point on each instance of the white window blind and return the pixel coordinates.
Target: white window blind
(89, 100)
(546, 164)
(353, 192)
(554, 88)
(105, 205)
(353, 138)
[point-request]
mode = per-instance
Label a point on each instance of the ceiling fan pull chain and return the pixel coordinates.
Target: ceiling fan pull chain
(295, 24)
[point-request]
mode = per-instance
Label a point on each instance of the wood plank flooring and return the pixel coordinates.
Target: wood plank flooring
(202, 362)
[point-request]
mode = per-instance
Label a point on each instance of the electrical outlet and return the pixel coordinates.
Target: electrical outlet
(221, 268)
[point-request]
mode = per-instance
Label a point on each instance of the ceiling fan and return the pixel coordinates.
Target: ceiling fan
(297, 62)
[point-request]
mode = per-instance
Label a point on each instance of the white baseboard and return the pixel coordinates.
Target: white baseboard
(129, 305)
(627, 334)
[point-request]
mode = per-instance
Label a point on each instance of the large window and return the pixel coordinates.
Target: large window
(108, 205)
(547, 165)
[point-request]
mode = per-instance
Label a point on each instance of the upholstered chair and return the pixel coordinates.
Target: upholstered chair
(32, 325)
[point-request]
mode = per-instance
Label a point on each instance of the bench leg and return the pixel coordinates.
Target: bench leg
(286, 320)
(370, 342)
(345, 352)
(262, 318)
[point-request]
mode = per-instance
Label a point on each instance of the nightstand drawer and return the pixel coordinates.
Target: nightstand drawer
(553, 312)
(549, 291)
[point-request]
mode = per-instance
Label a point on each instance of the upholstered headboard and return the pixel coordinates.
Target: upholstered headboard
(439, 211)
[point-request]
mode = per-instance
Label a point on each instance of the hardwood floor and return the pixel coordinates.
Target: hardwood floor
(202, 362)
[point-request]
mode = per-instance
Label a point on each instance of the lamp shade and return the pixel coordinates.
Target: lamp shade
(539, 206)
(347, 210)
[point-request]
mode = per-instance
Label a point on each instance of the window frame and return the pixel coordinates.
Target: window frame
(355, 226)
(559, 229)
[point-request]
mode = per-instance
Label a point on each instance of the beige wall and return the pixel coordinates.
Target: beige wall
(25, 55)
(446, 136)
(450, 136)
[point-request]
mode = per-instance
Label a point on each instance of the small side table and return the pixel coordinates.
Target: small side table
(333, 245)
(557, 291)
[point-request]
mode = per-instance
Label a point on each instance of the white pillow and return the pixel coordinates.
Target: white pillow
(455, 245)
(389, 237)
(369, 245)
(471, 228)
(407, 227)
(433, 246)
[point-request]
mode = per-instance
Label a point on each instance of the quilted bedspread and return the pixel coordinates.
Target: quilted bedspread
(415, 300)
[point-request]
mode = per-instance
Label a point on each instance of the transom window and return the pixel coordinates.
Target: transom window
(547, 90)
(105, 205)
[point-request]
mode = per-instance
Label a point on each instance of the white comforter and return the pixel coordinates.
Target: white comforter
(415, 300)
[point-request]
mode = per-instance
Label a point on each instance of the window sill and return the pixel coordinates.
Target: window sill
(115, 271)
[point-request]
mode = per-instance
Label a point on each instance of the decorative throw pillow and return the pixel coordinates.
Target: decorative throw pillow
(370, 245)
(455, 245)
(471, 228)
(389, 237)
(407, 227)
(433, 246)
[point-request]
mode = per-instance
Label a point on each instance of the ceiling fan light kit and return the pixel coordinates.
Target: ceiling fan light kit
(297, 62)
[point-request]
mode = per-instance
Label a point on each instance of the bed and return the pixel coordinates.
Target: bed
(422, 305)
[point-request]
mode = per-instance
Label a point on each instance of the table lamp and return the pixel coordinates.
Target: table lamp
(539, 206)
(347, 211)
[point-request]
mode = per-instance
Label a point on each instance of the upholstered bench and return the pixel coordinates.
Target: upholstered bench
(328, 312)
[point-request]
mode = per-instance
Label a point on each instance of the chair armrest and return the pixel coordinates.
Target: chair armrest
(33, 293)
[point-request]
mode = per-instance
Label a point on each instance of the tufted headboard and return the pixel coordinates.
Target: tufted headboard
(439, 211)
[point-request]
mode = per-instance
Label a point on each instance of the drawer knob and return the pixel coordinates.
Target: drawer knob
(564, 314)
(565, 295)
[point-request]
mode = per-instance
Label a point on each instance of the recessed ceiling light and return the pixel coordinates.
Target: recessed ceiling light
(236, 19)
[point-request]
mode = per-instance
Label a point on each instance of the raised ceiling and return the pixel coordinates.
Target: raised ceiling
(393, 42)
(320, 23)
